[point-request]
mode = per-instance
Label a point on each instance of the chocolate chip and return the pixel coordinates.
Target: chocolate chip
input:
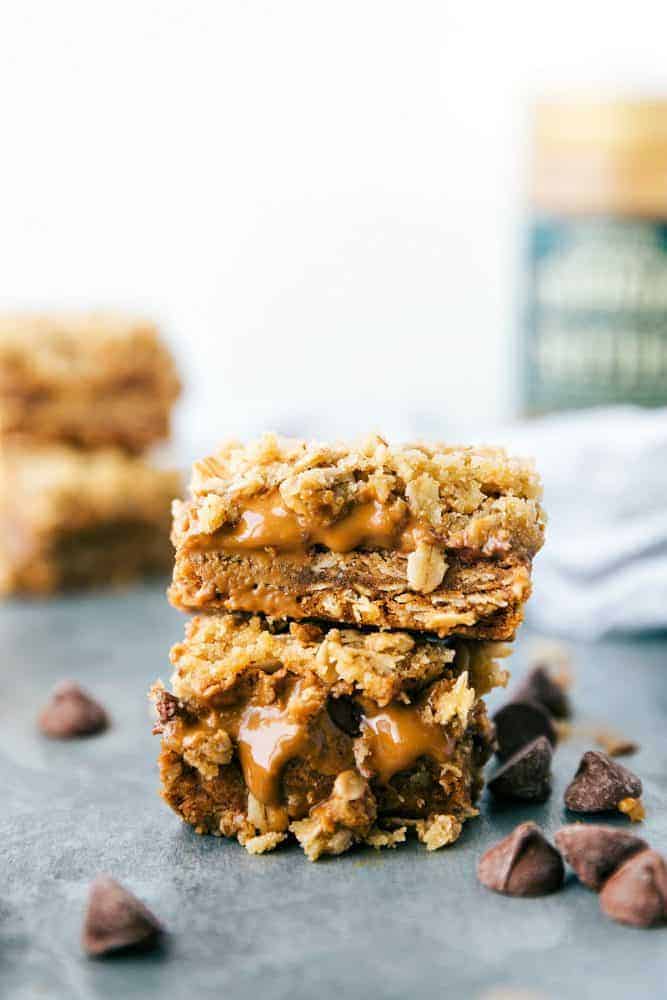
(636, 893)
(166, 707)
(71, 712)
(116, 920)
(540, 687)
(523, 864)
(600, 784)
(518, 723)
(526, 775)
(595, 852)
(346, 714)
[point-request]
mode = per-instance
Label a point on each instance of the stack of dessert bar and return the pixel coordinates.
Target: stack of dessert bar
(81, 398)
(356, 601)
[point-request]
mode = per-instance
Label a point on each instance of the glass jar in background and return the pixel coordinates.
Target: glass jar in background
(595, 329)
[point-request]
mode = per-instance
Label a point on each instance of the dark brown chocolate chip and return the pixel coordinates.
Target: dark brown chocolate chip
(523, 864)
(526, 775)
(116, 920)
(636, 893)
(595, 852)
(346, 714)
(520, 722)
(540, 687)
(600, 784)
(71, 712)
(166, 706)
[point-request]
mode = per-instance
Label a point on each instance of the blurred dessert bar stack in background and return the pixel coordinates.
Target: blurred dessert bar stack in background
(82, 397)
(92, 380)
(73, 518)
(358, 600)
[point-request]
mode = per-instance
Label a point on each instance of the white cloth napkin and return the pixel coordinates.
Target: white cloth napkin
(604, 564)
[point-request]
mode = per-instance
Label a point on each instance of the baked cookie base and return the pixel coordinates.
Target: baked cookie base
(481, 599)
(345, 811)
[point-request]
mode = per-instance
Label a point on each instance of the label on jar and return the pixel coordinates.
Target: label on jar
(596, 323)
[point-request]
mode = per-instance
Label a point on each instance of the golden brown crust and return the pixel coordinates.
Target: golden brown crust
(89, 379)
(72, 518)
(324, 478)
(331, 793)
(474, 499)
(219, 651)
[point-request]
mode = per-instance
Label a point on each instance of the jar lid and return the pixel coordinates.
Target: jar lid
(601, 155)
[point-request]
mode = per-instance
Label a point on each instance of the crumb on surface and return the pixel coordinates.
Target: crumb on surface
(633, 809)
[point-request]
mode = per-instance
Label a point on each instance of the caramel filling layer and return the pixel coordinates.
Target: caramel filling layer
(398, 736)
(269, 736)
(267, 741)
(267, 523)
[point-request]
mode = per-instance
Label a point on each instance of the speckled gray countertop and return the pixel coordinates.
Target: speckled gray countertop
(397, 924)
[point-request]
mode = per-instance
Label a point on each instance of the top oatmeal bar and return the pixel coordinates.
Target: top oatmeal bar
(420, 536)
(89, 379)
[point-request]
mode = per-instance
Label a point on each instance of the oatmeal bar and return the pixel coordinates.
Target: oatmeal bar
(72, 518)
(336, 736)
(424, 537)
(92, 380)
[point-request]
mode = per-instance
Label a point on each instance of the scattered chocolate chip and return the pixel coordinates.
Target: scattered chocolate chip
(600, 784)
(346, 714)
(526, 775)
(71, 712)
(523, 864)
(541, 687)
(116, 920)
(518, 723)
(615, 745)
(636, 893)
(595, 852)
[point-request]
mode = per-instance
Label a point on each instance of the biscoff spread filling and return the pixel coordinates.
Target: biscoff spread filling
(266, 522)
(269, 730)
(397, 736)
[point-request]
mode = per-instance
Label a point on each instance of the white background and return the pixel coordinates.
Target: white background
(320, 201)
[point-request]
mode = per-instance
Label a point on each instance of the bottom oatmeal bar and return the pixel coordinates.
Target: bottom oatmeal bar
(335, 736)
(71, 518)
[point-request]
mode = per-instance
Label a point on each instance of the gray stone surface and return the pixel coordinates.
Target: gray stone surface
(398, 924)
